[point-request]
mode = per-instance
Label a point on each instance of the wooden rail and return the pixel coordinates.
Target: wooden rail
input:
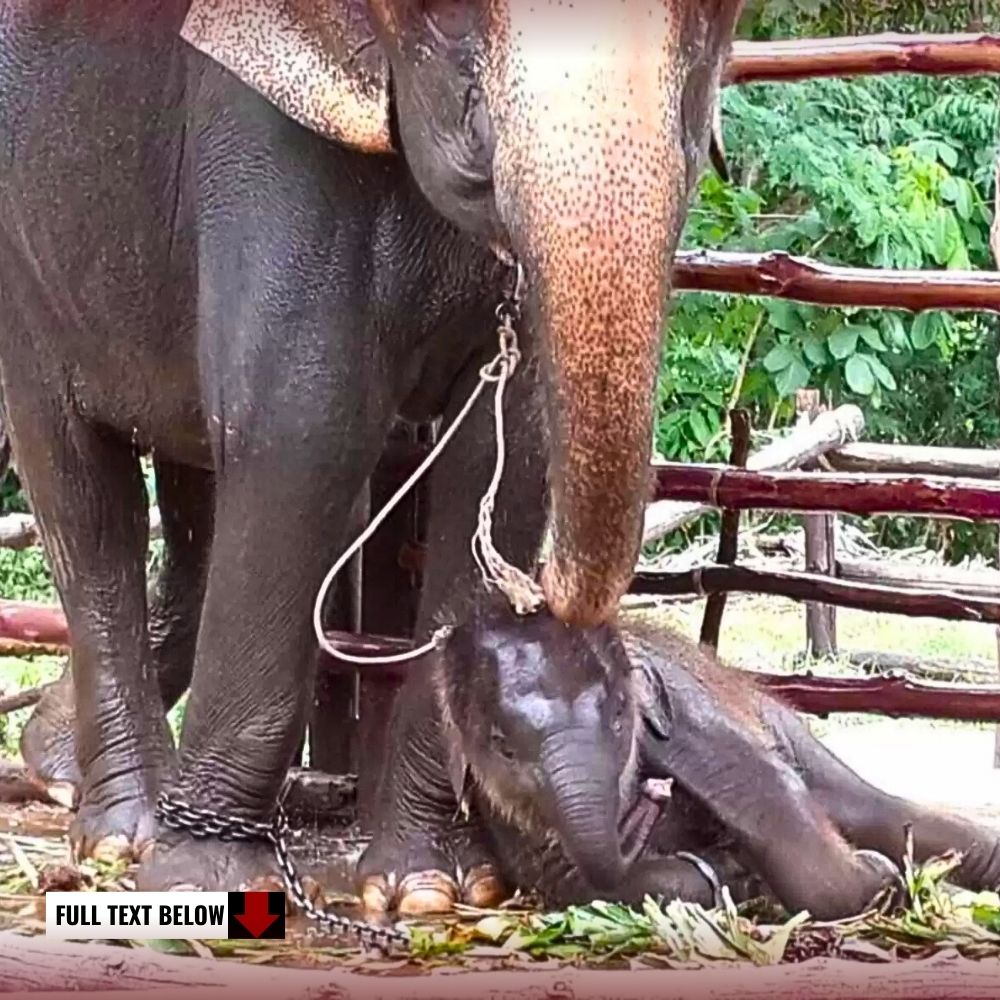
(783, 276)
(803, 58)
(891, 696)
(970, 463)
(822, 589)
(722, 486)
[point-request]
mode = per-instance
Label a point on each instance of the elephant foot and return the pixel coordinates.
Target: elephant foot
(181, 863)
(433, 891)
(116, 820)
(124, 831)
(891, 890)
(48, 746)
(422, 875)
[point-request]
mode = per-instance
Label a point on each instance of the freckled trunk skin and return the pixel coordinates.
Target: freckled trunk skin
(602, 110)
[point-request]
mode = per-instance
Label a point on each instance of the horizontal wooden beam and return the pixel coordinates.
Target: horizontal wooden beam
(984, 583)
(783, 276)
(821, 589)
(723, 486)
(805, 443)
(37, 624)
(892, 696)
(862, 55)
(935, 668)
(867, 456)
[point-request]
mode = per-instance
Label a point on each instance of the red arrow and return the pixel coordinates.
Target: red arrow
(255, 917)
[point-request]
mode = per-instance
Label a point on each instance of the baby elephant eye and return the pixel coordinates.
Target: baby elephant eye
(499, 743)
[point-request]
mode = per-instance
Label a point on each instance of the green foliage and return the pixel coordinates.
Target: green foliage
(935, 919)
(25, 576)
(12, 500)
(888, 172)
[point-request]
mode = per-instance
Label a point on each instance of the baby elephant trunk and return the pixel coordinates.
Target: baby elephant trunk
(584, 785)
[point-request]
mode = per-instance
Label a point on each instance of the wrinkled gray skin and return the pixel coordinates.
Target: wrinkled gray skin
(554, 766)
(187, 272)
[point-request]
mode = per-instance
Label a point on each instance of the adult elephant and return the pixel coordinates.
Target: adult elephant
(242, 236)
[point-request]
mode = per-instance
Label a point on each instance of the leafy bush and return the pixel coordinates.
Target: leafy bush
(893, 172)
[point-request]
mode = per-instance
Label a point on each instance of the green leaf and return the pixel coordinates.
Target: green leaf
(859, 375)
(784, 315)
(923, 331)
(895, 332)
(871, 337)
(881, 372)
(843, 342)
(959, 192)
(946, 235)
(167, 946)
(779, 357)
(699, 427)
(947, 155)
(792, 378)
(815, 350)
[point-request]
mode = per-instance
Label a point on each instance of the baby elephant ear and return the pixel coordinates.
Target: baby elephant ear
(318, 61)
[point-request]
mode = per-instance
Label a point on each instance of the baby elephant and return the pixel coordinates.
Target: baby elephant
(616, 763)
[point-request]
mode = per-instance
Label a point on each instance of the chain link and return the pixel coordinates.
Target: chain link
(204, 823)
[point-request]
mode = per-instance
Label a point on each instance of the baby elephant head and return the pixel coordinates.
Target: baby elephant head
(542, 717)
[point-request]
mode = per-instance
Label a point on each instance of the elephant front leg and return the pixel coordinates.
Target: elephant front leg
(278, 525)
(424, 857)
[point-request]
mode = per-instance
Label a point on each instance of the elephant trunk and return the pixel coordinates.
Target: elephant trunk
(592, 172)
(584, 790)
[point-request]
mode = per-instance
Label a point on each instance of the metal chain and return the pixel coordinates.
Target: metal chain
(203, 823)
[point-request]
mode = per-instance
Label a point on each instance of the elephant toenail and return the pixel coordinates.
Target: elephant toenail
(425, 893)
(377, 894)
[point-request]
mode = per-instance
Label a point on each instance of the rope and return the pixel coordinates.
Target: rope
(524, 593)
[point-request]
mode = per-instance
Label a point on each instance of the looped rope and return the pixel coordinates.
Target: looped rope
(524, 593)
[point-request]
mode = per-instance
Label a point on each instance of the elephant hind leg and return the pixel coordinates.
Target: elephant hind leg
(48, 745)
(86, 490)
(780, 827)
(874, 820)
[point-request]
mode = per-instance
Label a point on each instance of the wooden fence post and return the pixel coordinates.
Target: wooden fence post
(821, 551)
(729, 534)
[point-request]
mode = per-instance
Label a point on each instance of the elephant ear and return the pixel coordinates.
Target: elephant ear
(318, 61)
